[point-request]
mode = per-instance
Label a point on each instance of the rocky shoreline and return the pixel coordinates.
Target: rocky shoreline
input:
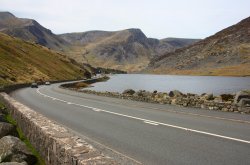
(13, 151)
(238, 103)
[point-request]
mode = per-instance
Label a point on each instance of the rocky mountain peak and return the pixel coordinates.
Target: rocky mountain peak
(6, 15)
(136, 35)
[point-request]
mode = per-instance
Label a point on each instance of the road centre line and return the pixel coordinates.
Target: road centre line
(152, 123)
(146, 120)
(171, 111)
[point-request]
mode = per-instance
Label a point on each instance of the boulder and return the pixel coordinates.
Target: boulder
(244, 102)
(14, 150)
(165, 96)
(141, 93)
(2, 118)
(240, 95)
(209, 96)
(227, 97)
(128, 92)
(190, 95)
(175, 93)
(7, 129)
(203, 94)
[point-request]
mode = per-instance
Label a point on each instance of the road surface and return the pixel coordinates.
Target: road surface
(147, 133)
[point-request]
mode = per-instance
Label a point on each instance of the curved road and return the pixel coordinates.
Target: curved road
(147, 133)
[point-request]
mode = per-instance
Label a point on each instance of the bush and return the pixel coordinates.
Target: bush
(81, 85)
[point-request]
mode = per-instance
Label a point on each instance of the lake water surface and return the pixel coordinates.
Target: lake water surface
(165, 83)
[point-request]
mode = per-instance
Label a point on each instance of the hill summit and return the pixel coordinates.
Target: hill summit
(29, 30)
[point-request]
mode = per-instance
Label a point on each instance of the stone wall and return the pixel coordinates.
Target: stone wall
(56, 144)
(225, 102)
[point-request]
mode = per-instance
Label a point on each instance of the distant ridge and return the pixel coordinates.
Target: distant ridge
(29, 30)
(128, 49)
(225, 53)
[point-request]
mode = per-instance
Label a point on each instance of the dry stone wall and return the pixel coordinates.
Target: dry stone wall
(56, 144)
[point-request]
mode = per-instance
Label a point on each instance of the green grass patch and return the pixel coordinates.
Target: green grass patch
(21, 135)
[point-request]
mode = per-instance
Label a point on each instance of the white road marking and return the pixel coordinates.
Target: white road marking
(150, 121)
(69, 103)
(97, 109)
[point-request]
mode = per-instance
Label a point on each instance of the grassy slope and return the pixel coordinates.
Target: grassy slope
(22, 61)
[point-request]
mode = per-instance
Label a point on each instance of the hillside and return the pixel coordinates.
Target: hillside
(225, 53)
(125, 50)
(128, 50)
(30, 30)
(22, 61)
(170, 44)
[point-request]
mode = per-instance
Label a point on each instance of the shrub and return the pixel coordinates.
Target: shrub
(81, 85)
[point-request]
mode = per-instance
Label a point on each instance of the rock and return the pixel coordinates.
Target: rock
(128, 92)
(185, 104)
(2, 118)
(190, 95)
(4, 110)
(7, 129)
(244, 109)
(227, 97)
(217, 99)
(209, 96)
(244, 102)
(175, 93)
(173, 101)
(165, 96)
(224, 110)
(14, 150)
(203, 106)
(143, 93)
(203, 94)
(240, 95)
(13, 163)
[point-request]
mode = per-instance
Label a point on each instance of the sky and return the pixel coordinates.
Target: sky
(156, 18)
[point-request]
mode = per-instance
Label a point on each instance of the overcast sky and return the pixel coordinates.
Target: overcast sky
(156, 18)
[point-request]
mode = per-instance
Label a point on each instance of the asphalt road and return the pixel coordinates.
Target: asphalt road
(148, 133)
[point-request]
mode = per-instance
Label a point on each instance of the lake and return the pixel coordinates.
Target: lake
(165, 83)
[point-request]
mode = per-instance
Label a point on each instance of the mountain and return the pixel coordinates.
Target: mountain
(225, 53)
(128, 50)
(170, 44)
(23, 61)
(125, 50)
(30, 30)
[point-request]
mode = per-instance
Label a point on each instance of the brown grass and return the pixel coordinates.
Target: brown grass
(81, 85)
(22, 61)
